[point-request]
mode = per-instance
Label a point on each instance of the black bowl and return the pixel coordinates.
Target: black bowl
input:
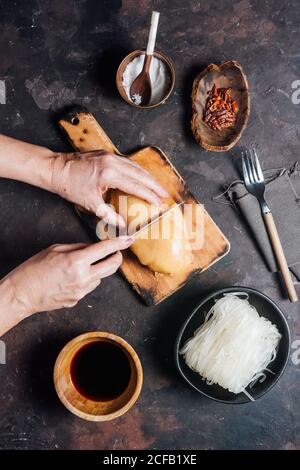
(267, 308)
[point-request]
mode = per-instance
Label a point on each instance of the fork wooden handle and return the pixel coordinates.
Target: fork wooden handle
(280, 257)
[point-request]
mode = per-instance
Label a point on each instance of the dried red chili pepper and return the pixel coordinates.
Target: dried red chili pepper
(220, 109)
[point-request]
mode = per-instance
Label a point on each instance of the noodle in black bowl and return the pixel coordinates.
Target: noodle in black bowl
(266, 308)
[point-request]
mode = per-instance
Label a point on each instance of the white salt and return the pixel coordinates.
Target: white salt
(137, 99)
(159, 77)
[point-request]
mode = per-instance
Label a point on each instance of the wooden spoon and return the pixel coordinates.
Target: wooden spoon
(140, 90)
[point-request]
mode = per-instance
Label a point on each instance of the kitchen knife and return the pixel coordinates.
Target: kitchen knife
(103, 232)
(156, 219)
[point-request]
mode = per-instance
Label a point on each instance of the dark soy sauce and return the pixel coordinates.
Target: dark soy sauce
(100, 371)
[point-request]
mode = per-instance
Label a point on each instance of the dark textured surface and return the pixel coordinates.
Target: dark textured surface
(55, 53)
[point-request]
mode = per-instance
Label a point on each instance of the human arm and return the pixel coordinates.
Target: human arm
(57, 277)
(79, 178)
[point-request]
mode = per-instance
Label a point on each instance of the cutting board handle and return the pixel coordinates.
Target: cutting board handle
(84, 132)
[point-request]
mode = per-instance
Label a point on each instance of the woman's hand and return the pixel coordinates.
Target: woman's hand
(63, 274)
(83, 179)
(57, 277)
(80, 178)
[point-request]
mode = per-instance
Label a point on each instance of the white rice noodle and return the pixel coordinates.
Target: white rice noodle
(234, 345)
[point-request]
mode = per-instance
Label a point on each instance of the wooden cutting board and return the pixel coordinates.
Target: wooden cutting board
(85, 134)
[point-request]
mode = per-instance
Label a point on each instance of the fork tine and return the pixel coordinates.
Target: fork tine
(245, 170)
(249, 169)
(253, 166)
(258, 167)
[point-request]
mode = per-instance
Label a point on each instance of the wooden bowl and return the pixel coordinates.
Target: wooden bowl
(129, 58)
(229, 74)
(82, 406)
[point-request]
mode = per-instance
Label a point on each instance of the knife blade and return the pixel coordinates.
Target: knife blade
(156, 219)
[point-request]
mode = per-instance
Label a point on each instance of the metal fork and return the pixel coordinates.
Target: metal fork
(255, 184)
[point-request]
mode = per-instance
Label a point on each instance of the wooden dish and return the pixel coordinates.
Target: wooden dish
(229, 74)
(89, 409)
(129, 58)
(85, 134)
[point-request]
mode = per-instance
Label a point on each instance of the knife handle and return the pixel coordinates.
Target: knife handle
(280, 257)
